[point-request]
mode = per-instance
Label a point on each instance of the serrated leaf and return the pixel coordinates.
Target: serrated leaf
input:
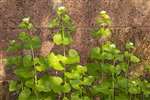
(56, 84)
(43, 84)
(54, 62)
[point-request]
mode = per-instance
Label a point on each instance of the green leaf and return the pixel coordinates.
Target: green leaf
(40, 68)
(41, 64)
(75, 84)
(12, 85)
(14, 60)
(66, 88)
(23, 36)
(27, 61)
(108, 68)
(104, 87)
(134, 59)
(43, 84)
(66, 40)
(104, 18)
(13, 46)
(88, 80)
(65, 98)
(102, 32)
(122, 82)
(121, 67)
(57, 39)
(105, 32)
(81, 69)
(95, 53)
(56, 84)
(121, 97)
(63, 59)
(147, 68)
(24, 73)
(146, 88)
(24, 95)
(75, 96)
(29, 83)
(29, 42)
(134, 86)
(73, 75)
(73, 57)
(35, 42)
(66, 18)
(53, 23)
(86, 98)
(25, 24)
(61, 10)
(93, 69)
(129, 45)
(55, 80)
(60, 39)
(54, 62)
(134, 90)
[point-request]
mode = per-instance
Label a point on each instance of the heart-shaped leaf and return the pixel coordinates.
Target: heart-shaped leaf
(54, 62)
(25, 93)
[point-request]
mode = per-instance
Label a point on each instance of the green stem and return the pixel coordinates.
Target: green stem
(113, 82)
(22, 86)
(127, 77)
(35, 73)
(113, 85)
(64, 49)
